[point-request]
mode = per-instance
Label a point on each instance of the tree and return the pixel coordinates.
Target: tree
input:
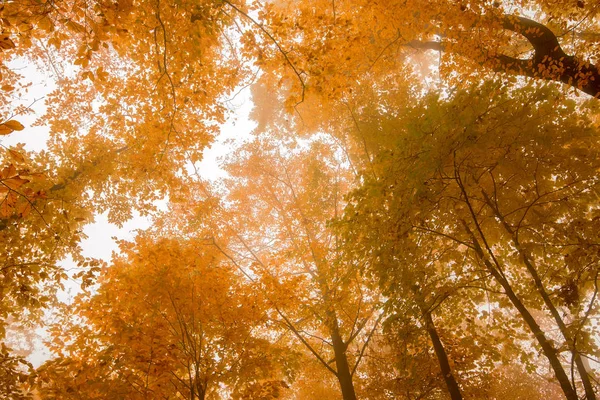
(281, 197)
(170, 318)
(141, 89)
(549, 61)
(441, 181)
(353, 42)
(15, 378)
(48, 197)
(167, 54)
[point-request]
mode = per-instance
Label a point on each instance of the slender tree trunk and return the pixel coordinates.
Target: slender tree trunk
(547, 347)
(589, 389)
(344, 375)
(438, 346)
(585, 379)
(442, 357)
(201, 393)
(496, 271)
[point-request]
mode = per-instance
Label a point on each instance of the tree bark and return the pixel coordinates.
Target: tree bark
(589, 389)
(547, 347)
(549, 61)
(344, 375)
(442, 357)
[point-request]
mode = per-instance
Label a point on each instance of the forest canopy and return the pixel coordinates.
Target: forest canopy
(415, 214)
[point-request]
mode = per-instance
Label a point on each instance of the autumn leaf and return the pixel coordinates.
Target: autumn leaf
(8, 171)
(404, 177)
(6, 43)
(16, 155)
(45, 24)
(5, 209)
(14, 125)
(24, 209)
(14, 183)
(5, 130)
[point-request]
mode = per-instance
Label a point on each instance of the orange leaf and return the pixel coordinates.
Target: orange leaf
(8, 171)
(5, 130)
(54, 41)
(5, 209)
(11, 199)
(14, 125)
(15, 183)
(24, 209)
(46, 24)
(6, 43)
(75, 27)
(16, 155)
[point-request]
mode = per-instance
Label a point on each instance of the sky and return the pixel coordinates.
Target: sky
(102, 236)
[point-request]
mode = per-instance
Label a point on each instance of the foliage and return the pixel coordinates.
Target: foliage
(415, 216)
(166, 321)
(476, 197)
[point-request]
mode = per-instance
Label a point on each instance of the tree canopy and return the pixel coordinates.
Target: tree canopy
(414, 216)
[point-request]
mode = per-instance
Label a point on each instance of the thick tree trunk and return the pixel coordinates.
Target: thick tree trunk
(442, 357)
(549, 61)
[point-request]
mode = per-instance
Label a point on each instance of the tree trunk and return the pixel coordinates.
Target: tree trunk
(442, 357)
(589, 389)
(344, 375)
(547, 347)
(549, 60)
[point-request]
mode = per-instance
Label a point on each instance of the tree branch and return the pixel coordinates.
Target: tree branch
(549, 61)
